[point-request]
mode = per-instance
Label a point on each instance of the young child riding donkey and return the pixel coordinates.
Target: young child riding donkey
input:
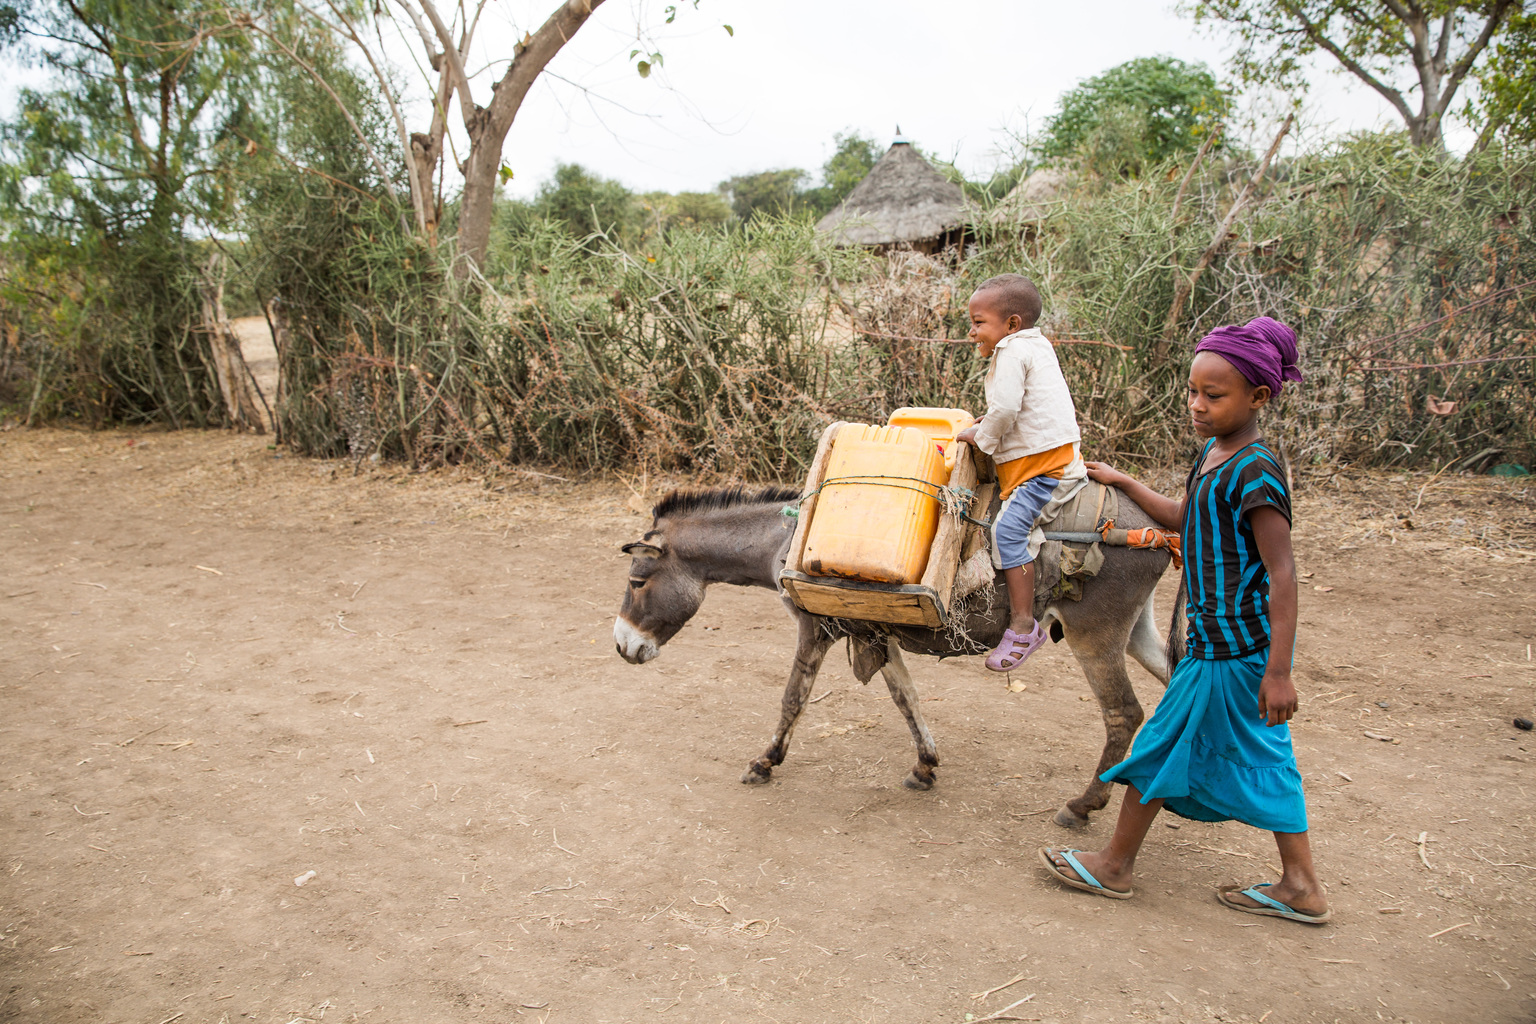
(1030, 430)
(742, 537)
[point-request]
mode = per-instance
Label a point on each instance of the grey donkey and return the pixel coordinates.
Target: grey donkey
(742, 537)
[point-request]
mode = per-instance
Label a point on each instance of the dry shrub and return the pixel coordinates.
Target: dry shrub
(725, 352)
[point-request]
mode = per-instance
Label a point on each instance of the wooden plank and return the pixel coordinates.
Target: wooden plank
(909, 605)
(976, 536)
(808, 506)
(944, 556)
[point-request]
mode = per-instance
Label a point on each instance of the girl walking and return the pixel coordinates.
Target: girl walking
(1218, 747)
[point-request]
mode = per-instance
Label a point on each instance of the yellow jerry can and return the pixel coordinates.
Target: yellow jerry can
(940, 424)
(878, 508)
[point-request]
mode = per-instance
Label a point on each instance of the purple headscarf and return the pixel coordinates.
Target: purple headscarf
(1262, 350)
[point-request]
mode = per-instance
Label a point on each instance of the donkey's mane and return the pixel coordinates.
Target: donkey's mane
(717, 499)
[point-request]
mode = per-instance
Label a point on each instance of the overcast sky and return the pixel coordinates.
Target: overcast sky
(958, 77)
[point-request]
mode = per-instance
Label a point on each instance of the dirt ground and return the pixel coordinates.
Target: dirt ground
(225, 668)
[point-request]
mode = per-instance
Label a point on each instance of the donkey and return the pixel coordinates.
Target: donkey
(742, 537)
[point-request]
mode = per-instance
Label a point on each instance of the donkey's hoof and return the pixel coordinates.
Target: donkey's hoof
(920, 780)
(756, 775)
(1068, 818)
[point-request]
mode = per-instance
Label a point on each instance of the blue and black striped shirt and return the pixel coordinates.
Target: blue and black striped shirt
(1224, 576)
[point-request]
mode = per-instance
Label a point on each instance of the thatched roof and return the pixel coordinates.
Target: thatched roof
(903, 198)
(1034, 198)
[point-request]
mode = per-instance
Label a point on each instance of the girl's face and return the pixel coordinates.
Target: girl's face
(1221, 401)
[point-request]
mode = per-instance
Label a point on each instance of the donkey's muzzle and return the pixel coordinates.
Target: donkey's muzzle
(633, 646)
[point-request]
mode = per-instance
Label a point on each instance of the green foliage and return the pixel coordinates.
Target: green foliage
(11, 20)
(586, 203)
(1505, 105)
(785, 192)
(1400, 270)
(665, 212)
(354, 289)
(104, 178)
(766, 193)
(852, 157)
(1394, 48)
(1137, 114)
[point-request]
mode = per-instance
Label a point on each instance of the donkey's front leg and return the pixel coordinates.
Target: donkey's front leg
(809, 652)
(899, 682)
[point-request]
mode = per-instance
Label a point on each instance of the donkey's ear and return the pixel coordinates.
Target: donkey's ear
(641, 549)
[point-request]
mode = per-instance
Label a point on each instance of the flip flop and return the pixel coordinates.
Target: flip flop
(1270, 907)
(1013, 648)
(1084, 881)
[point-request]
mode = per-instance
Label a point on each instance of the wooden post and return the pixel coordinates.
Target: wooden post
(228, 363)
(944, 556)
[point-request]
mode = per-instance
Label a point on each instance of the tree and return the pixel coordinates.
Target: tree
(108, 176)
(1506, 85)
(1393, 46)
(446, 46)
(784, 191)
(586, 203)
(1136, 114)
(852, 157)
(667, 212)
(764, 193)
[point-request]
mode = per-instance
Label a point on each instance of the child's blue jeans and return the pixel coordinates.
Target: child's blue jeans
(1018, 519)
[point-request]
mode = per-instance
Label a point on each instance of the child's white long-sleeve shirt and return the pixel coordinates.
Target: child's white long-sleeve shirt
(1029, 408)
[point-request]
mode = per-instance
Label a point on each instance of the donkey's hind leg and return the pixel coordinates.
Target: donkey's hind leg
(1146, 645)
(899, 682)
(809, 652)
(1103, 662)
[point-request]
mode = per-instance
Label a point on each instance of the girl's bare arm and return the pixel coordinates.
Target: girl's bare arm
(1165, 510)
(1272, 533)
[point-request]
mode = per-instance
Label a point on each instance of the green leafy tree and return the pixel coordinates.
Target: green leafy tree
(107, 177)
(667, 212)
(852, 157)
(766, 193)
(1506, 85)
(1397, 47)
(1137, 114)
(586, 203)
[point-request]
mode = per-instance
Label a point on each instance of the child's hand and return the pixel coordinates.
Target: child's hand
(1105, 474)
(968, 435)
(1277, 697)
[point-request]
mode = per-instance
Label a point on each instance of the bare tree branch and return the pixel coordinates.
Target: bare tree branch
(539, 49)
(1315, 33)
(1186, 283)
(455, 61)
(419, 191)
(1460, 69)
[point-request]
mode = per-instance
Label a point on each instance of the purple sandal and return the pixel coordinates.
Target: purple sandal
(1013, 648)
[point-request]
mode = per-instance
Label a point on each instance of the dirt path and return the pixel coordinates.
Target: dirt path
(223, 669)
(255, 338)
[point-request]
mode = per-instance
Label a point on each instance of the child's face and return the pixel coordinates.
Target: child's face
(1221, 401)
(988, 326)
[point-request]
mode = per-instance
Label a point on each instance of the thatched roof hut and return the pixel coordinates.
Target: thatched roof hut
(902, 201)
(1034, 199)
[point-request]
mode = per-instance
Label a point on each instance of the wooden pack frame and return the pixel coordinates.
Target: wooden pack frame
(914, 604)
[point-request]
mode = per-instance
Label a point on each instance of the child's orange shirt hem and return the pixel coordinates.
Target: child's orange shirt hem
(1051, 463)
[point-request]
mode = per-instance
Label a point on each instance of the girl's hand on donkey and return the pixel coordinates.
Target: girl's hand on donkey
(1277, 698)
(1105, 474)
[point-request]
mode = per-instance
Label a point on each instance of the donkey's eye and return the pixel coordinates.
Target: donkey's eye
(636, 584)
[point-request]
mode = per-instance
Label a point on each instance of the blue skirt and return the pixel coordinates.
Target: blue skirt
(1209, 756)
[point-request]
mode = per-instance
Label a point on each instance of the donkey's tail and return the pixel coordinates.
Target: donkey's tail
(1176, 627)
